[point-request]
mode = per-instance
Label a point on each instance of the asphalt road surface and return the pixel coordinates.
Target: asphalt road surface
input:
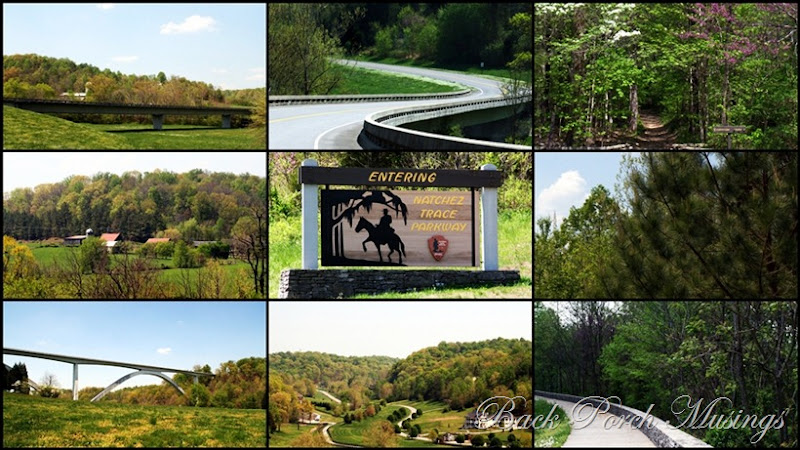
(337, 125)
(596, 434)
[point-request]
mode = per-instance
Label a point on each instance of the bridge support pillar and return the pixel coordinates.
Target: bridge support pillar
(158, 121)
(74, 381)
(226, 121)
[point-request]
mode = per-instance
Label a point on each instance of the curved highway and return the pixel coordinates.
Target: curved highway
(337, 125)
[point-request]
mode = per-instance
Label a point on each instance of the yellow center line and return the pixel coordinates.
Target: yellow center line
(303, 116)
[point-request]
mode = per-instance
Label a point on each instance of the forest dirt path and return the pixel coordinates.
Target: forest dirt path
(656, 134)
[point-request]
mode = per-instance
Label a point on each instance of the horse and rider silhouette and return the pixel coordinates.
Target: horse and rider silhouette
(383, 234)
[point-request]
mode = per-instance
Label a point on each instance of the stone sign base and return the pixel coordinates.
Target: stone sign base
(332, 284)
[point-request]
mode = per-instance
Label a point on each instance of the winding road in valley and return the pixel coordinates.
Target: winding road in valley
(337, 125)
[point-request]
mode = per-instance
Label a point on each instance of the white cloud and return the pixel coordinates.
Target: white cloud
(164, 351)
(569, 190)
(124, 58)
(215, 70)
(192, 24)
(105, 6)
(258, 73)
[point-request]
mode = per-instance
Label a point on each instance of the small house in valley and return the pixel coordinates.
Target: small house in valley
(309, 417)
(156, 240)
(111, 240)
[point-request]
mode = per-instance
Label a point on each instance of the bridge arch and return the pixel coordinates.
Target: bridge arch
(113, 385)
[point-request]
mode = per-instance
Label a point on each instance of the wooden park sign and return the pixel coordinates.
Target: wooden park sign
(730, 129)
(386, 227)
(398, 228)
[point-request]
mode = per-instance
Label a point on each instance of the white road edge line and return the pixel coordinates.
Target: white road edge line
(316, 141)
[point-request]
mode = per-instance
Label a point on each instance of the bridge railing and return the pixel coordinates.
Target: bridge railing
(283, 100)
(661, 433)
(381, 129)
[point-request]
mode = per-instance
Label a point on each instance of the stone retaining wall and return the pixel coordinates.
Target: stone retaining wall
(330, 284)
(661, 433)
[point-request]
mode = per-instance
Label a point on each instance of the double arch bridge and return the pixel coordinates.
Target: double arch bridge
(157, 111)
(141, 369)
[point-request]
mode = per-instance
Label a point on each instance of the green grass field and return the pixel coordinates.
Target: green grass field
(551, 437)
(356, 80)
(29, 130)
(30, 421)
(289, 432)
(47, 256)
(461, 68)
(354, 432)
(515, 252)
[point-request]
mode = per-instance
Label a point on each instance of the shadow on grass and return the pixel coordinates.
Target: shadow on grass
(167, 129)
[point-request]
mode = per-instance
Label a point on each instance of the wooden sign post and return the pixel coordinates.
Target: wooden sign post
(730, 129)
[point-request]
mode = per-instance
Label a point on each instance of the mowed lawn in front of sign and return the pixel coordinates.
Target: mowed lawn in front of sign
(515, 243)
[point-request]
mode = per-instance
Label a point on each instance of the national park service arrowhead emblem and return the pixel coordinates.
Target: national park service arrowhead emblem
(438, 246)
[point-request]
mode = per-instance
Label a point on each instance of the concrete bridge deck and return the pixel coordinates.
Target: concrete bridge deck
(157, 111)
(595, 434)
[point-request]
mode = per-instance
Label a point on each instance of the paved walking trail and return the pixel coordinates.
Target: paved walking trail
(595, 434)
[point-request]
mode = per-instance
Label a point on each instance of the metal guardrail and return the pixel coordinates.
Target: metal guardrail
(284, 100)
(382, 131)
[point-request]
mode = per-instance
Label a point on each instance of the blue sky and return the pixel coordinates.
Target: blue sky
(52, 167)
(564, 179)
(222, 44)
(394, 329)
(166, 334)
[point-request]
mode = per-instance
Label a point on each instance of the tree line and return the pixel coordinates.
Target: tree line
(682, 225)
(653, 352)
(697, 65)
(44, 77)
(195, 205)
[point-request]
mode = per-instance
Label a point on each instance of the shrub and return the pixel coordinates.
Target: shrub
(478, 441)
(460, 439)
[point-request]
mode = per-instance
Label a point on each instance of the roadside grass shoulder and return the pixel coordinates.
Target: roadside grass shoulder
(551, 437)
(30, 421)
(499, 74)
(358, 80)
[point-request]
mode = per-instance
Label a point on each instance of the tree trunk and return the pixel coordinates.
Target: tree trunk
(634, 107)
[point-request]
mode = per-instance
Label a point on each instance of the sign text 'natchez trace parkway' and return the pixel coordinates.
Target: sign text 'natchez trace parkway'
(382, 227)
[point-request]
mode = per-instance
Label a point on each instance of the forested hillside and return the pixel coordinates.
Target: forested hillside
(656, 353)
(651, 75)
(463, 374)
(196, 205)
(35, 76)
(348, 377)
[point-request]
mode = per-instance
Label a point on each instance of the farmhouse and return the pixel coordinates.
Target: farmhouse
(111, 240)
(156, 240)
(482, 421)
(311, 418)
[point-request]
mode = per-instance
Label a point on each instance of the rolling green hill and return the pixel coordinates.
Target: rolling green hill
(30, 421)
(29, 130)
